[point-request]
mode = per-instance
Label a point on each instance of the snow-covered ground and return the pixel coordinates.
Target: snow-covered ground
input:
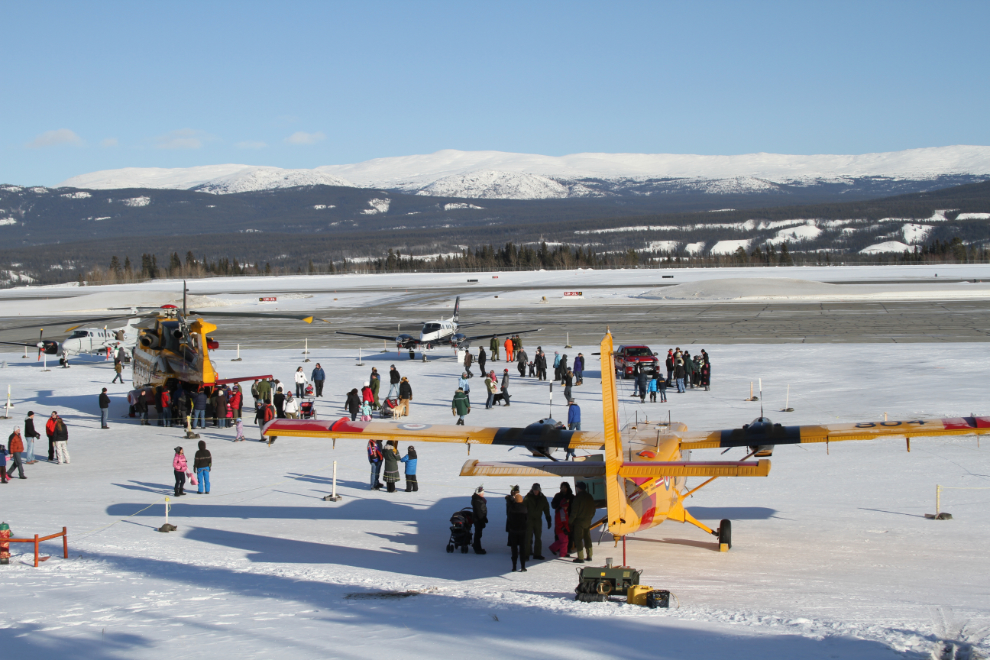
(832, 557)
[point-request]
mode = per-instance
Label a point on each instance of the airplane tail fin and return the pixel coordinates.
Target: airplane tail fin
(457, 309)
(613, 437)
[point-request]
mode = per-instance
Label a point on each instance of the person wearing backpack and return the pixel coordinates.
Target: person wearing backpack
(375, 458)
(179, 467)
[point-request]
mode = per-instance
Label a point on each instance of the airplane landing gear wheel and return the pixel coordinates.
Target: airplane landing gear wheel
(724, 535)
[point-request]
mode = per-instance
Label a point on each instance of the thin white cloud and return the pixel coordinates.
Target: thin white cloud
(55, 138)
(109, 143)
(184, 138)
(250, 145)
(301, 137)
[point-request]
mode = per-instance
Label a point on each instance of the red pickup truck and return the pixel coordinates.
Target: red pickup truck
(627, 357)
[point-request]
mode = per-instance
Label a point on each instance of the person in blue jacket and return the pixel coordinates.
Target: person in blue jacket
(573, 424)
(318, 377)
(412, 486)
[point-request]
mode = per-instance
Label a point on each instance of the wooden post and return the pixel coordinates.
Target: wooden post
(36, 551)
(65, 543)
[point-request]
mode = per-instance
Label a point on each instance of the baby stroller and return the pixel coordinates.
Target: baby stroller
(307, 410)
(460, 530)
(388, 408)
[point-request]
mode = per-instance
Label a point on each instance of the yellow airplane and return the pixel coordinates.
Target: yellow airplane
(641, 481)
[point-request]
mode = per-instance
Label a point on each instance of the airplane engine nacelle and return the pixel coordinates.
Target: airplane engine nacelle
(459, 341)
(405, 341)
(49, 347)
(762, 451)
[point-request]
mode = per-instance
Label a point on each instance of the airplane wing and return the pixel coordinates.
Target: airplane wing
(792, 435)
(538, 435)
(18, 343)
(503, 334)
(389, 337)
(592, 469)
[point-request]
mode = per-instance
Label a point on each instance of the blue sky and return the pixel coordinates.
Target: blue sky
(92, 86)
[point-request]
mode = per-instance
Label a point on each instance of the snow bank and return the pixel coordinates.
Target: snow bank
(886, 246)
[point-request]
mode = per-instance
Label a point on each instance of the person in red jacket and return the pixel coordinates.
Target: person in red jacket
(50, 432)
(165, 416)
(15, 446)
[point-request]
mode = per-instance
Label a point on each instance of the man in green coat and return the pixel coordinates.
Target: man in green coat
(536, 507)
(264, 390)
(461, 405)
(494, 349)
(582, 511)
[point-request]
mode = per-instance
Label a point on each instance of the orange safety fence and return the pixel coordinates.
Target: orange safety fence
(38, 539)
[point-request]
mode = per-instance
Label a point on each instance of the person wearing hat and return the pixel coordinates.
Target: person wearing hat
(411, 459)
(405, 395)
(479, 505)
(505, 386)
(393, 382)
(493, 346)
(29, 436)
(179, 467)
(537, 506)
(582, 511)
(579, 369)
(482, 358)
(463, 383)
(491, 385)
(509, 349)
(515, 526)
(291, 406)
(15, 447)
(461, 405)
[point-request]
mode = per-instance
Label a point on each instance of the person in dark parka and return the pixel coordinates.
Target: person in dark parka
(391, 464)
(582, 511)
(537, 507)
(480, 507)
(515, 526)
(353, 404)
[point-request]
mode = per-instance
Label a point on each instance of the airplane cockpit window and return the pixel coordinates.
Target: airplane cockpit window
(78, 334)
(431, 327)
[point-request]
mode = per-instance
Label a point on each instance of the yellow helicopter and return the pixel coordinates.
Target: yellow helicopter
(170, 347)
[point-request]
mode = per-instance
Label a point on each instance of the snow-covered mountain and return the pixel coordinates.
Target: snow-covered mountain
(500, 175)
(218, 179)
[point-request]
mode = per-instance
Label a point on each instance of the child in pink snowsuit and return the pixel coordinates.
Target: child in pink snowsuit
(240, 431)
(179, 466)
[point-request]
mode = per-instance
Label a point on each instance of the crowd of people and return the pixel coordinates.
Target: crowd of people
(524, 518)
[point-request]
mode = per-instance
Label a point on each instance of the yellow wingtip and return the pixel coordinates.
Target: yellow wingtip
(73, 327)
(308, 319)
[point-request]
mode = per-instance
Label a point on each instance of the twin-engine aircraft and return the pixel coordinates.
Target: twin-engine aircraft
(94, 341)
(641, 481)
(441, 332)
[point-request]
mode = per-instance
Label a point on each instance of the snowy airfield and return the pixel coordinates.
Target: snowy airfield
(832, 556)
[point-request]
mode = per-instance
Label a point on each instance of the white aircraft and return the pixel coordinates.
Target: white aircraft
(94, 341)
(443, 332)
(98, 340)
